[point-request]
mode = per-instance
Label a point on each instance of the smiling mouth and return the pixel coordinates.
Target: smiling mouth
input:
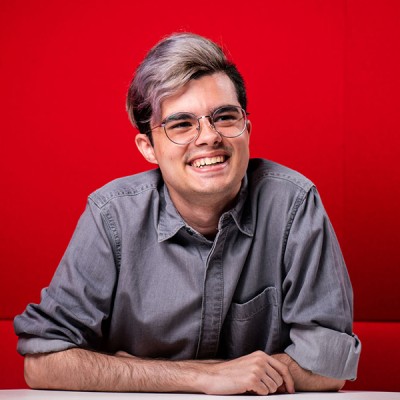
(208, 161)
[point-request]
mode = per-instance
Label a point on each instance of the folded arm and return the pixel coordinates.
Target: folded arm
(78, 369)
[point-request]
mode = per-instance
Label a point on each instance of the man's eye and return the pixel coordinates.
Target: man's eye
(179, 125)
(224, 117)
(227, 118)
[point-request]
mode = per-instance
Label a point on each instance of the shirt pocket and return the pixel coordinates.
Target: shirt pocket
(251, 326)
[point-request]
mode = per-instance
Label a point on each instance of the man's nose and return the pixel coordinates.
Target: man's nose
(207, 133)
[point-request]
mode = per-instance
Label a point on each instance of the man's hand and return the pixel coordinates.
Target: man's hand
(306, 380)
(256, 373)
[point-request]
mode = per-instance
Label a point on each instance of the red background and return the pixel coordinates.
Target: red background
(323, 86)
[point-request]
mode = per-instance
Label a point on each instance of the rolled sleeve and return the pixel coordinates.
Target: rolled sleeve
(317, 295)
(35, 345)
(325, 351)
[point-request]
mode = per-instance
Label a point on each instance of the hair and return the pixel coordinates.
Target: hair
(167, 67)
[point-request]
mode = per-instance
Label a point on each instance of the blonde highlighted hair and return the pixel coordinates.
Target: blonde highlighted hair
(167, 67)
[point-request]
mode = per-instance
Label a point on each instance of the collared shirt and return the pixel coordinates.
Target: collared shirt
(135, 277)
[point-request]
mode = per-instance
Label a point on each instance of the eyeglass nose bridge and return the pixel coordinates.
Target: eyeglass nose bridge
(210, 121)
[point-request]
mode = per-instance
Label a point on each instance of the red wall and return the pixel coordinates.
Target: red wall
(323, 84)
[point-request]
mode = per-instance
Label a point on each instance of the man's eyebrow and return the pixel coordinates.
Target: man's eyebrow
(179, 115)
(187, 115)
(226, 107)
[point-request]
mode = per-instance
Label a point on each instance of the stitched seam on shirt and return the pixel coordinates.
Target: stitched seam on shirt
(223, 287)
(304, 184)
(204, 295)
(338, 263)
(254, 313)
(103, 199)
(299, 201)
(113, 236)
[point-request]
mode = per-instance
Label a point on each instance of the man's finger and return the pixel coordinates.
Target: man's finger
(274, 375)
(270, 384)
(284, 372)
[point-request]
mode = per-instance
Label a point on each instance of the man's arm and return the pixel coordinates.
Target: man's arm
(306, 381)
(78, 369)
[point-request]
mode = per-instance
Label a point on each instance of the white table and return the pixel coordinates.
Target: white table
(25, 394)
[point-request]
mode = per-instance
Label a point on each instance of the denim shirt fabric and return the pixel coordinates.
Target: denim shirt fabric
(135, 277)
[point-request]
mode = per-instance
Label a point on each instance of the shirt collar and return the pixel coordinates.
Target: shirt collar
(241, 212)
(170, 221)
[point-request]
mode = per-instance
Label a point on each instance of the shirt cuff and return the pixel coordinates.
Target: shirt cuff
(324, 351)
(34, 345)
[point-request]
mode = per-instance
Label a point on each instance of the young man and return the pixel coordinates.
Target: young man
(212, 273)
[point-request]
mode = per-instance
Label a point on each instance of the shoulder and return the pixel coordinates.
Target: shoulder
(263, 172)
(129, 186)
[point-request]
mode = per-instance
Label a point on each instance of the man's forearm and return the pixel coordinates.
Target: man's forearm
(305, 380)
(78, 369)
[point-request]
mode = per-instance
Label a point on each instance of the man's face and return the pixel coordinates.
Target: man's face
(179, 164)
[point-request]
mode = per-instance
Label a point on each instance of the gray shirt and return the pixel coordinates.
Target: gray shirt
(135, 277)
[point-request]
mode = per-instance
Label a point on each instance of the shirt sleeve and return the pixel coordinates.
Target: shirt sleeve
(77, 303)
(318, 297)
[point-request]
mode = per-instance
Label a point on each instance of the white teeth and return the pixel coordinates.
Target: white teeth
(201, 162)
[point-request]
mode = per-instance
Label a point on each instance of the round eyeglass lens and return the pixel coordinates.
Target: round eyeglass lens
(181, 128)
(229, 121)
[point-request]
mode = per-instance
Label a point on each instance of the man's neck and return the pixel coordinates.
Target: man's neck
(203, 214)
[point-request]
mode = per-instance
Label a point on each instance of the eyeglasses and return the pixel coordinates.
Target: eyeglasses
(184, 127)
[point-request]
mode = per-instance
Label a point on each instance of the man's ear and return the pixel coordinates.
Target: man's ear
(248, 127)
(146, 148)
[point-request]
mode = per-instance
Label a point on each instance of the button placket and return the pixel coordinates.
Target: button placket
(213, 297)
